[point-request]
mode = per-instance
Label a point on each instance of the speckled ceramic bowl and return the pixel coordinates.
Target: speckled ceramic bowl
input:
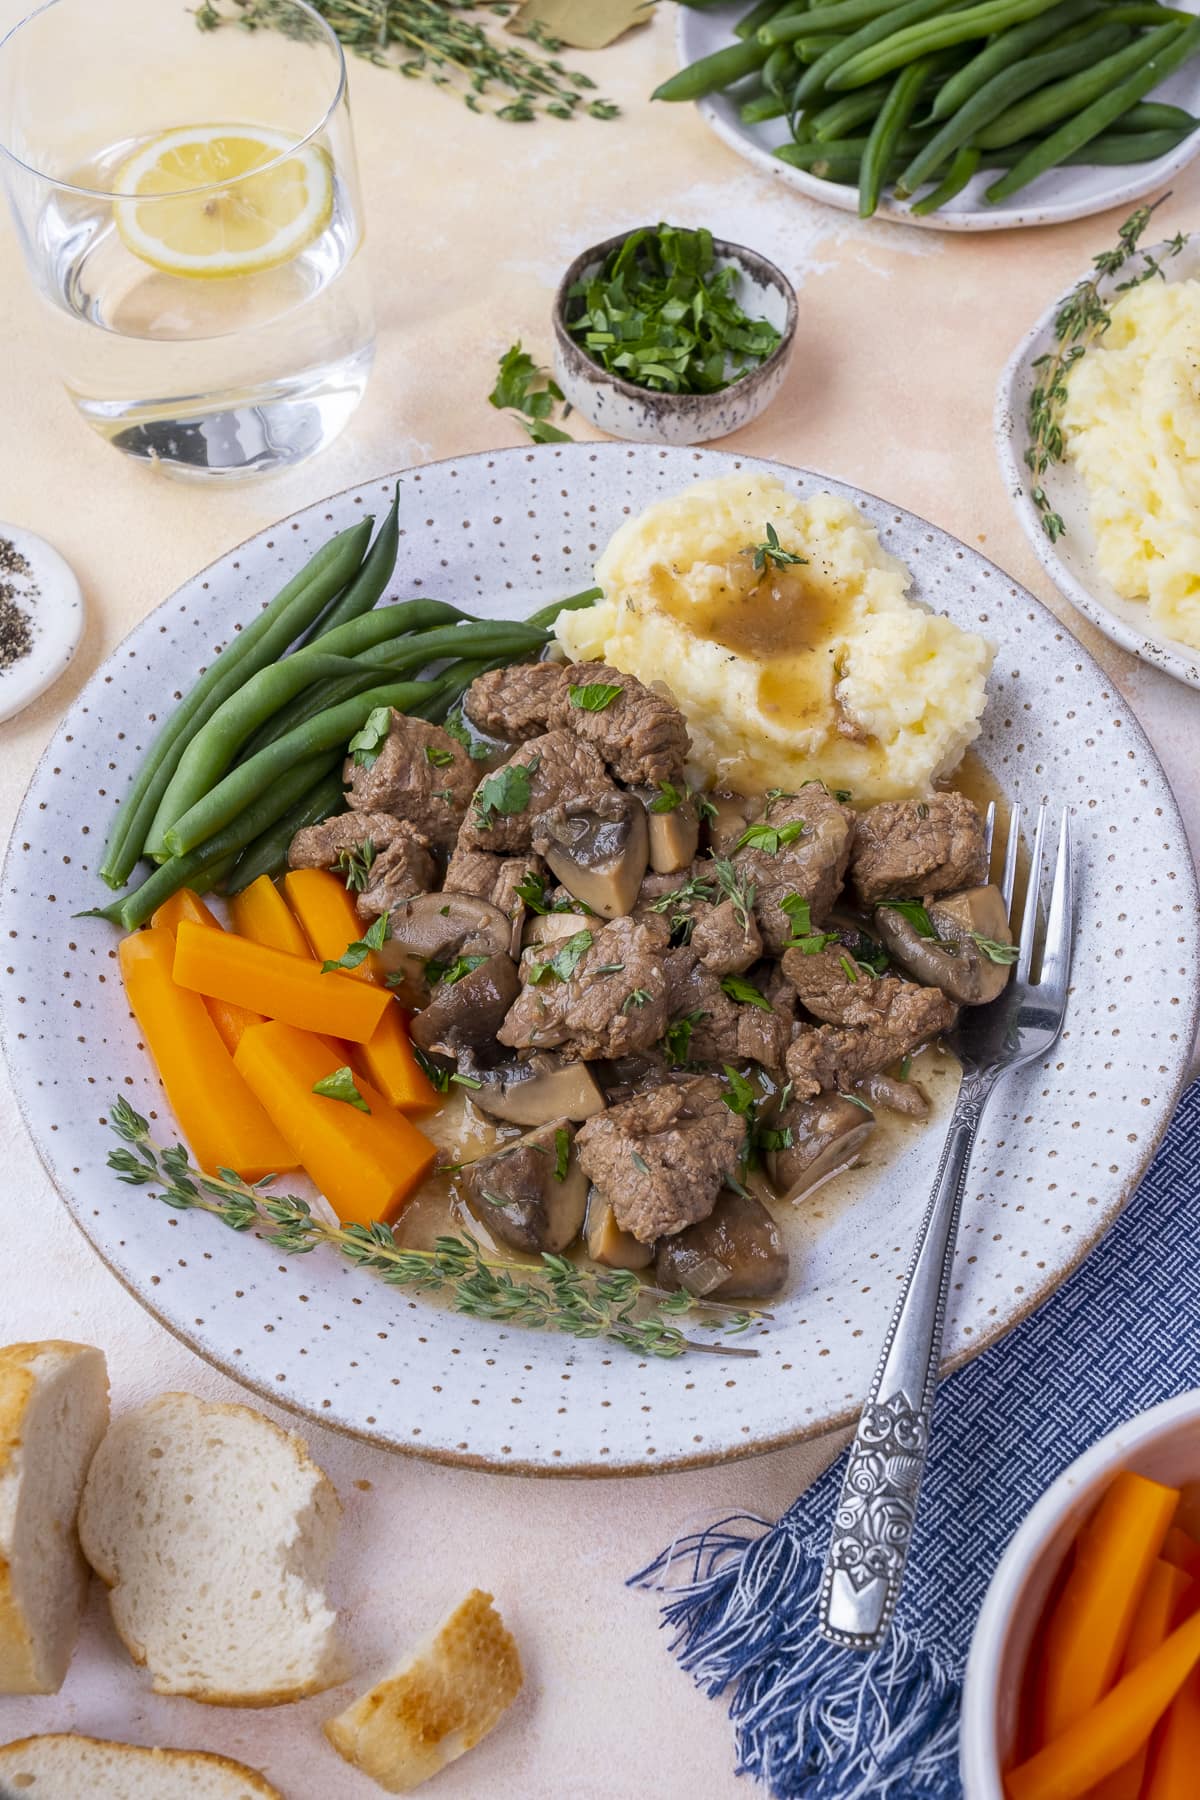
(625, 410)
(1071, 562)
(1060, 1150)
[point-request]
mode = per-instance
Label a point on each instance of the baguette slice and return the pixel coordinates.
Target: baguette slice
(438, 1704)
(214, 1530)
(53, 1411)
(62, 1766)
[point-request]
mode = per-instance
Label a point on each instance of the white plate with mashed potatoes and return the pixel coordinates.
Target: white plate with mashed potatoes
(1128, 490)
(875, 662)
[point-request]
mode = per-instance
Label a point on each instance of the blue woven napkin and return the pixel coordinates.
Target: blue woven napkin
(821, 1723)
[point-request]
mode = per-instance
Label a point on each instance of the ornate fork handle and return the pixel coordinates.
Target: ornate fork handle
(873, 1524)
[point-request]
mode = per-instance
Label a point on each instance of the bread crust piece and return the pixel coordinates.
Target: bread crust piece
(438, 1704)
(221, 1601)
(77, 1759)
(53, 1412)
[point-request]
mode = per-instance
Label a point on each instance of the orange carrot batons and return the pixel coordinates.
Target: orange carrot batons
(1161, 1608)
(289, 988)
(223, 1123)
(261, 914)
(1174, 1763)
(366, 1164)
(229, 1018)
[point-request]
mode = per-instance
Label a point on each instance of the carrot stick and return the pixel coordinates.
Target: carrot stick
(1159, 1611)
(261, 913)
(1085, 1636)
(289, 988)
(1109, 1733)
(229, 1018)
(331, 924)
(223, 1123)
(1174, 1772)
(1183, 1551)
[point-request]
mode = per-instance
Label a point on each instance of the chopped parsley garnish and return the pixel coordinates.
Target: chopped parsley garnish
(668, 798)
(771, 553)
(467, 1081)
(341, 1086)
(608, 969)
(565, 961)
(354, 865)
(562, 1153)
(704, 806)
(639, 1163)
(849, 970)
(357, 953)
(441, 759)
(768, 1137)
(594, 696)
(770, 838)
(677, 1038)
(905, 1069)
(455, 727)
(447, 974)
(813, 945)
(843, 796)
(743, 1096)
(745, 992)
(434, 1073)
(366, 744)
(799, 915)
(531, 393)
(532, 889)
(856, 1100)
(639, 997)
(506, 792)
(996, 952)
(915, 913)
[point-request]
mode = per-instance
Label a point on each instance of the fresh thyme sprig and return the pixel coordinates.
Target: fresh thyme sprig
(1082, 318)
(433, 39)
(550, 1295)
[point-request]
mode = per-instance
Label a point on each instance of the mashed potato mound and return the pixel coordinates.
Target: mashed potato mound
(809, 664)
(1132, 420)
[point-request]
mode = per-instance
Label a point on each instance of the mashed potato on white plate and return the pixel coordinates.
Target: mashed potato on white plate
(799, 662)
(1132, 419)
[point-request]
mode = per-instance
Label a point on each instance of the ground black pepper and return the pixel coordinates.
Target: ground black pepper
(16, 625)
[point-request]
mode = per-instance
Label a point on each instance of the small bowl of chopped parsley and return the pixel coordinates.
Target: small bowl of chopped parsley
(670, 336)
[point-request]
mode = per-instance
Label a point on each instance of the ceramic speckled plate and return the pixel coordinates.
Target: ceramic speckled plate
(1060, 194)
(1061, 1149)
(1071, 562)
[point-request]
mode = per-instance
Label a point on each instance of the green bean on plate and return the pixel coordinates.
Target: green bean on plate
(920, 96)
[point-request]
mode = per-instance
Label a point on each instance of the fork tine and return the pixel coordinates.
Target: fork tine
(1056, 961)
(989, 828)
(1032, 894)
(1009, 878)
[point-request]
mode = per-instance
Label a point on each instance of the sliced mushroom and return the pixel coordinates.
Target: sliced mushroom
(952, 959)
(551, 927)
(906, 1097)
(607, 1244)
(529, 1093)
(826, 1134)
(470, 1011)
(674, 835)
(599, 859)
(525, 1195)
(437, 928)
(736, 1253)
(729, 816)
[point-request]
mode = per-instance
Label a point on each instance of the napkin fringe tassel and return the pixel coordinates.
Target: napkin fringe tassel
(814, 1722)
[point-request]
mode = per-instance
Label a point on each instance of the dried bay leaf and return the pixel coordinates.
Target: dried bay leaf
(582, 24)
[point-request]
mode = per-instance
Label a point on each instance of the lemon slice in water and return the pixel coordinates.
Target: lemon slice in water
(246, 199)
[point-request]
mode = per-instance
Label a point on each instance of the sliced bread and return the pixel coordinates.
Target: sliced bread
(448, 1694)
(62, 1766)
(53, 1411)
(214, 1531)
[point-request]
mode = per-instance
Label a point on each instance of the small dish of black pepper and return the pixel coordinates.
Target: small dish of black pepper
(41, 617)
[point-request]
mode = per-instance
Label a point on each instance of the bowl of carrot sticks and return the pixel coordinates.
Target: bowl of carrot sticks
(1083, 1681)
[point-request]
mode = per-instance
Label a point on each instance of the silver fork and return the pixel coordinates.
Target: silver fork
(873, 1525)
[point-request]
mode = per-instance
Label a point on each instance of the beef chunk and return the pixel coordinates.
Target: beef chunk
(836, 1056)
(491, 877)
(557, 767)
(614, 1001)
(723, 942)
(838, 990)
(661, 1158)
(811, 863)
(357, 835)
(918, 848)
(405, 868)
(640, 734)
(517, 703)
(722, 1028)
(420, 774)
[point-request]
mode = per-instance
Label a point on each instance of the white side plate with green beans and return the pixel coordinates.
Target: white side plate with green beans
(977, 115)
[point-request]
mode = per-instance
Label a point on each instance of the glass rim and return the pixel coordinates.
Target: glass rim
(208, 187)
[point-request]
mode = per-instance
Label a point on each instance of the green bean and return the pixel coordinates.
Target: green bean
(1005, 49)
(840, 150)
(1003, 91)
(1119, 147)
(819, 76)
(243, 786)
(1102, 112)
(887, 130)
(810, 49)
(844, 15)
(368, 585)
(840, 117)
(202, 867)
(965, 163)
(719, 70)
(1039, 112)
(758, 15)
(939, 33)
(1144, 12)
(293, 608)
(546, 615)
(1155, 115)
(762, 108)
(775, 69)
(242, 712)
(268, 854)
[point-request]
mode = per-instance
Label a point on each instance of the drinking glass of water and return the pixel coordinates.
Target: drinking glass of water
(186, 199)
